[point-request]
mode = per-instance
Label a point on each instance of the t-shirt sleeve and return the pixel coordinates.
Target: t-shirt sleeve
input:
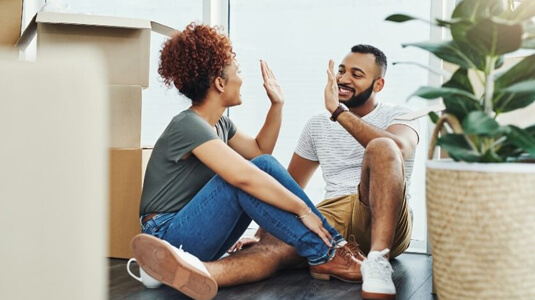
(399, 111)
(305, 146)
(187, 133)
(229, 126)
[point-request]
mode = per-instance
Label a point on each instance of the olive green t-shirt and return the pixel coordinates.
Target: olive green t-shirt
(170, 181)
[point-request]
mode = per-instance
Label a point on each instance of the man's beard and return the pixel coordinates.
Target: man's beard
(360, 98)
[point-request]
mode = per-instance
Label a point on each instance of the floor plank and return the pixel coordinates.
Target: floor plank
(412, 276)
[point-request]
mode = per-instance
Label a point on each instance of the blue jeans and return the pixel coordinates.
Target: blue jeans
(220, 213)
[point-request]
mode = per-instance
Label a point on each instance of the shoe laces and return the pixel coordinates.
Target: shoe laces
(347, 255)
(377, 266)
(354, 248)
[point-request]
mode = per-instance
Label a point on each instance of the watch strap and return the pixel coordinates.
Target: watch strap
(340, 109)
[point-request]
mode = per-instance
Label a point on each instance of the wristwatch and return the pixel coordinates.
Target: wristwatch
(340, 109)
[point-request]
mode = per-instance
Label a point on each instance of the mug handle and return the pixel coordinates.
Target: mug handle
(130, 272)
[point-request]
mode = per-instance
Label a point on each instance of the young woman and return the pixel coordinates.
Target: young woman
(206, 180)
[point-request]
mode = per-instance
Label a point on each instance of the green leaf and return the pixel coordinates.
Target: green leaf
(479, 9)
(521, 138)
(515, 89)
(491, 157)
(457, 105)
(510, 102)
(400, 18)
(527, 86)
(522, 71)
(428, 92)
(458, 148)
(452, 22)
(460, 81)
(530, 130)
(525, 11)
(460, 107)
(433, 116)
(461, 54)
(499, 62)
(472, 11)
(516, 96)
(448, 51)
(478, 123)
(494, 37)
(459, 30)
(509, 150)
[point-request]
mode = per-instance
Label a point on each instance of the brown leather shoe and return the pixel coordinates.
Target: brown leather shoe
(344, 266)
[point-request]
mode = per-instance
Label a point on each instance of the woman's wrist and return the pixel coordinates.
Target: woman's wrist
(277, 104)
(305, 215)
(302, 211)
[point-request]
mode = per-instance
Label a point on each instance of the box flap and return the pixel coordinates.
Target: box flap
(90, 20)
(162, 29)
(27, 35)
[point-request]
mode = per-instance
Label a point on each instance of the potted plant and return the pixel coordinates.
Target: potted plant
(481, 204)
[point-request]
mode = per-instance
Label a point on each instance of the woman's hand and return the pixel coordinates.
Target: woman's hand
(244, 242)
(313, 222)
(273, 89)
(331, 89)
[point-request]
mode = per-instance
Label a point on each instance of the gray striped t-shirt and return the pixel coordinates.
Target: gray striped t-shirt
(339, 154)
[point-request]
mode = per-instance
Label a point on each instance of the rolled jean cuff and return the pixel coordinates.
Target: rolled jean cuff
(337, 239)
(330, 252)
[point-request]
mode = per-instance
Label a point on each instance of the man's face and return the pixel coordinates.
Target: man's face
(356, 78)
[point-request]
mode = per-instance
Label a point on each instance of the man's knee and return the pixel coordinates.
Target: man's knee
(384, 150)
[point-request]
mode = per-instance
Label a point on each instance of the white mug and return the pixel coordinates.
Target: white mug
(148, 281)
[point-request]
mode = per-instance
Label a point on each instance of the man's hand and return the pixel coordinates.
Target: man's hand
(273, 89)
(331, 89)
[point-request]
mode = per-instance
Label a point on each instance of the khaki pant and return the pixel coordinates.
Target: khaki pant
(352, 218)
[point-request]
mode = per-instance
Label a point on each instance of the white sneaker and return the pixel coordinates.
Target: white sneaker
(173, 267)
(377, 276)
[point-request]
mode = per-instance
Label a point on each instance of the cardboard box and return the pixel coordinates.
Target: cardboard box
(126, 169)
(124, 42)
(53, 183)
(10, 21)
(125, 116)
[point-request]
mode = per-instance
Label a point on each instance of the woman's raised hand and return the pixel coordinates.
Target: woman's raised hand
(273, 89)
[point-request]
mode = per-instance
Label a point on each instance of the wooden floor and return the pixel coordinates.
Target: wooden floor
(412, 276)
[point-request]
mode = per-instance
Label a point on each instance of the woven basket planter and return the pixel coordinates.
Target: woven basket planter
(481, 222)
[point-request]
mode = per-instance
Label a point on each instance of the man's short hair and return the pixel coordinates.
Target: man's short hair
(380, 57)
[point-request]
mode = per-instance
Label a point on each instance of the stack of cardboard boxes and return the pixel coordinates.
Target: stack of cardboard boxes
(125, 45)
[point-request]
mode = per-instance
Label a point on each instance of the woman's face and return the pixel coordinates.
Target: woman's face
(232, 85)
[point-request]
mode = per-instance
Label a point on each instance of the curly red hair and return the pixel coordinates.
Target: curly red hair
(192, 58)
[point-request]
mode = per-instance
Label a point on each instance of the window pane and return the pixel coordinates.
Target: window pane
(159, 103)
(297, 38)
